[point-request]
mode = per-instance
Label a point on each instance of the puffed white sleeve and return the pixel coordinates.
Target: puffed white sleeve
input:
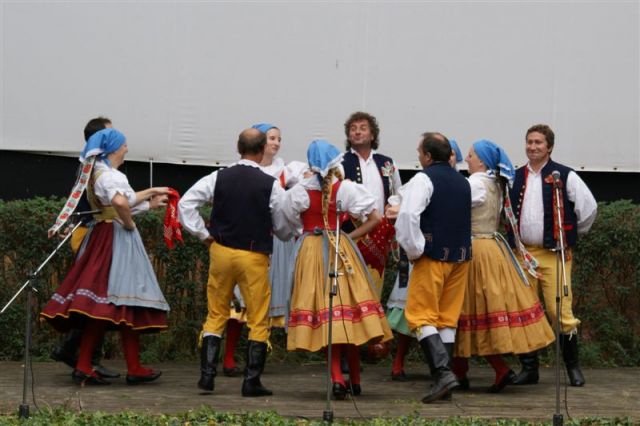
(416, 195)
(294, 173)
(585, 205)
(141, 207)
(195, 197)
(355, 199)
(112, 182)
(478, 190)
(292, 203)
(282, 228)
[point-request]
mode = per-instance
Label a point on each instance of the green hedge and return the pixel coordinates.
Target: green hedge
(606, 280)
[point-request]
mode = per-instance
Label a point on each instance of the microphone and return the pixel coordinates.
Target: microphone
(556, 177)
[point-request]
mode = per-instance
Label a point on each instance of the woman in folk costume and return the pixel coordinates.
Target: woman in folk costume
(111, 285)
(398, 297)
(357, 315)
(279, 274)
(501, 314)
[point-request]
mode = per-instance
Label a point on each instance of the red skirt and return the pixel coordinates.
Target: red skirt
(83, 293)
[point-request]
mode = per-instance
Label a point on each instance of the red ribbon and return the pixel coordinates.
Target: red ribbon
(172, 227)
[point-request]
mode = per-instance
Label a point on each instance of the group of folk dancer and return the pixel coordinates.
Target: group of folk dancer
(461, 289)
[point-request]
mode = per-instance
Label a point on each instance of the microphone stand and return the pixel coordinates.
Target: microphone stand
(23, 411)
(561, 277)
(327, 414)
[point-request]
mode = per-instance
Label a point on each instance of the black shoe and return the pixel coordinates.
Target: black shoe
(231, 372)
(529, 373)
(400, 377)
(82, 378)
(135, 380)
(339, 392)
(355, 390)
(104, 372)
(506, 380)
(464, 384)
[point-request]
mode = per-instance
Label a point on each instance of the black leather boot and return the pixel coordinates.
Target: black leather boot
(445, 380)
(209, 354)
(256, 357)
(569, 345)
(67, 348)
(529, 373)
(449, 347)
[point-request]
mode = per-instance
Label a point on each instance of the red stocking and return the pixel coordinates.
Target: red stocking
(234, 329)
(460, 367)
(353, 358)
(336, 371)
(498, 365)
(91, 335)
(131, 347)
(398, 361)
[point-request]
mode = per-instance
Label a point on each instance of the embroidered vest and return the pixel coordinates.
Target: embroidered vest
(569, 217)
(446, 222)
(240, 217)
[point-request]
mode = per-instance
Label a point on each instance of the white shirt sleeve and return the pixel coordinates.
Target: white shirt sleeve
(355, 199)
(395, 179)
(416, 195)
(195, 197)
(294, 201)
(585, 205)
(110, 183)
(141, 207)
(293, 173)
(282, 228)
(478, 190)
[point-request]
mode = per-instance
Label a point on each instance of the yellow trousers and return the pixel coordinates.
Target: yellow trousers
(547, 284)
(250, 270)
(436, 293)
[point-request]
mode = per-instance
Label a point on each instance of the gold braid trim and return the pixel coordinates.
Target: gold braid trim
(327, 188)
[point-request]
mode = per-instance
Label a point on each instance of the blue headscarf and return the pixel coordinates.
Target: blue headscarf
(103, 143)
(495, 158)
(323, 156)
(456, 149)
(263, 127)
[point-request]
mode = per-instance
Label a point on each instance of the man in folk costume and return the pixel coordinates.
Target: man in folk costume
(378, 173)
(534, 206)
(433, 226)
(245, 211)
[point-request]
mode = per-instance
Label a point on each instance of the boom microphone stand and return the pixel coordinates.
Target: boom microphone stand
(23, 411)
(327, 414)
(561, 277)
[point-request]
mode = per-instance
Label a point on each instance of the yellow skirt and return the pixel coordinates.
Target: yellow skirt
(500, 314)
(357, 315)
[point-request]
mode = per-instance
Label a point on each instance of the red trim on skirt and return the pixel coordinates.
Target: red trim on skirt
(501, 319)
(83, 293)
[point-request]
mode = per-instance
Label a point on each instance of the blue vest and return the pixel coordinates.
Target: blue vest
(351, 166)
(516, 193)
(446, 222)
(240, 217)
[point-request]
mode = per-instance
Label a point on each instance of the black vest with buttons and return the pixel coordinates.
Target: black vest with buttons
(446, 222)
(240, 217)
(351, 166)
(516, 193)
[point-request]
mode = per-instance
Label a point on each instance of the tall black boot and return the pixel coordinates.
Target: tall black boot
(445, 380)
(67, 348)
(209, 354)
(569, 345)
(529, 373)
(449, 347)
(256, 357)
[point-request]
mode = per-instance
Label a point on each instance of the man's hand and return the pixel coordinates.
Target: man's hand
(208, 241)
(158, 201)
